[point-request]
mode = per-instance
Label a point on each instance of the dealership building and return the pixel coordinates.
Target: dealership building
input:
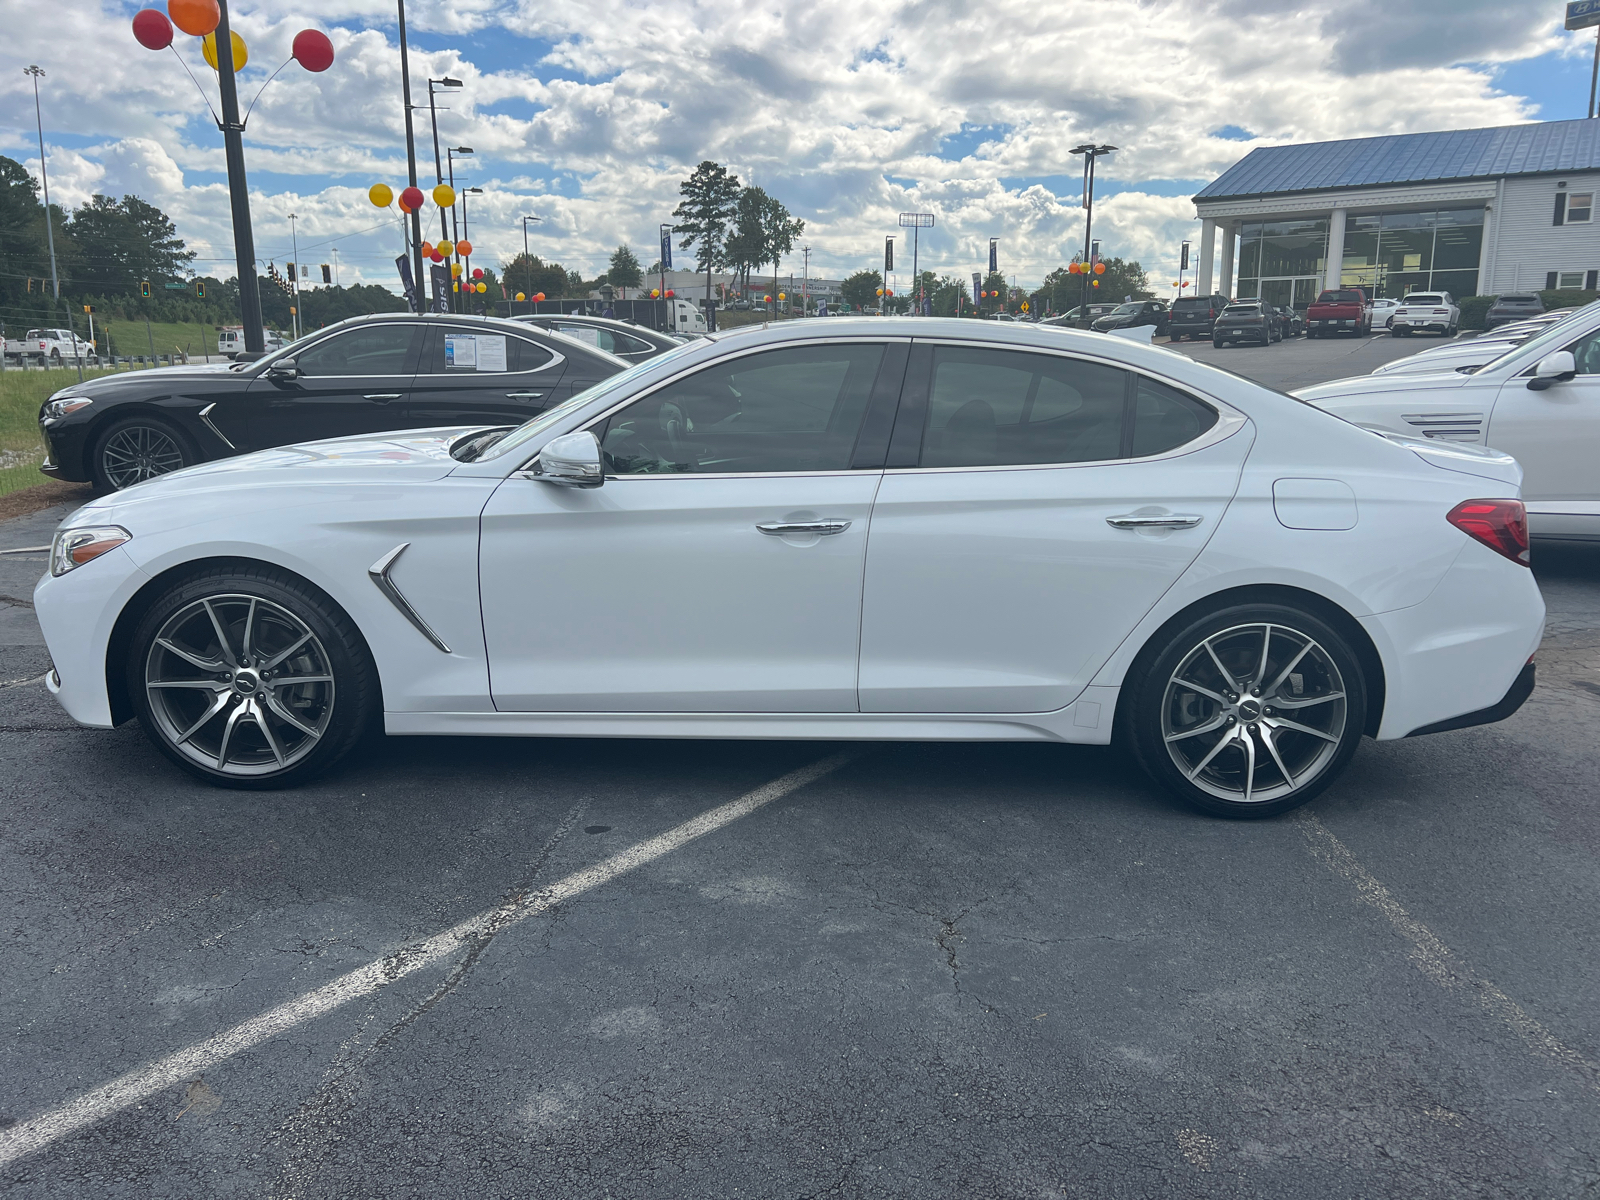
(1467, 211)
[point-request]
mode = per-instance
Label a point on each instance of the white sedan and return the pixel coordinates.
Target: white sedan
(1538, 402)
(902, 529)
(1383, 312)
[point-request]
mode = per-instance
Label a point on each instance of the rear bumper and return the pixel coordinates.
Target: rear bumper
(1400, 323)
(1521, 689)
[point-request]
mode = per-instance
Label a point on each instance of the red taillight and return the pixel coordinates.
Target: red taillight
(1501, 525)
(1210, 312)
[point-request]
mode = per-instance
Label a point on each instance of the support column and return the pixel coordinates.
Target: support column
(1225, 285)
(1208, 249)
(1336, 248)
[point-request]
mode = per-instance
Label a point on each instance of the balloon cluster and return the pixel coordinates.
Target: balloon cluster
(411, 199)
(656, 293)
(1083, 268)
(152, 29)
(881, 292)
(536, 296)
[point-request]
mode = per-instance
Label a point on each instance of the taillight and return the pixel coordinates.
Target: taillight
(1210, 313)
(1443, 312)
(1501, 525)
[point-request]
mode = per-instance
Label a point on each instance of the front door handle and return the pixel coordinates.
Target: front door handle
(382, 397)
(523, 395)
(783, 528)
(1154, 521)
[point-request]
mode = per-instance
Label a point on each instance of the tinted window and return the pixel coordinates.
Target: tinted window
(1421, 299)
(1586, 353)
(1164, 418)
(1002, 407)
(1338, 298)
(781, 410)
(373, 350)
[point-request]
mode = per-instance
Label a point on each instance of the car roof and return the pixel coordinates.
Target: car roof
(588, 319)
(466, 321)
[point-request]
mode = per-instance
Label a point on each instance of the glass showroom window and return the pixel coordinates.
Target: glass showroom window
(1580, 207)
(1396, 253)
(1280, 250)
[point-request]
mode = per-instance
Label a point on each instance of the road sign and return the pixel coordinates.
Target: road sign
(176, 287)
(1581, 14)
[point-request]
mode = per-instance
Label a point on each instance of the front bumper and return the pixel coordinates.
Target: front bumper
(77, 612)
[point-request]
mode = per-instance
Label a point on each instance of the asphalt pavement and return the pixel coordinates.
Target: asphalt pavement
(483, 968)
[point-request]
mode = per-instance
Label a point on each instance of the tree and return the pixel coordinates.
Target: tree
(861, 289)
(743, 250)
(779, 232)
(120, 243)
(710, 201)
(624, 270)
(529, 274)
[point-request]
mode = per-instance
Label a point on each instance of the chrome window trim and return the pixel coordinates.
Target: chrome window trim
(698, 367)
(1229, 419)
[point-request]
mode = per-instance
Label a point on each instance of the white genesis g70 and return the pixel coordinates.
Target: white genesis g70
(878, 529)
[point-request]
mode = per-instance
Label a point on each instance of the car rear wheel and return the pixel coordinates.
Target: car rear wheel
(1249, 711)
(1218, 343)
(251, 678)
(136, 449)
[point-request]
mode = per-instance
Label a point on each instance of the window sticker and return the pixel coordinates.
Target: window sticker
(474, 352)
(584, 333)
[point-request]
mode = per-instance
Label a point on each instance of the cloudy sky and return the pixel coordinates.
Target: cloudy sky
(587, 113)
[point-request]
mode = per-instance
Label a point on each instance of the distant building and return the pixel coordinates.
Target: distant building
(1466, 211)
(692, 285)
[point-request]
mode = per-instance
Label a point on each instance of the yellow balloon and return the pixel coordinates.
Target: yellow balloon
(445, 248)
(455, 269)
(482, 287)
(781, 296)
(520, 296)
(444, 195)
(455, 287)
(208, 47)
(381, 195)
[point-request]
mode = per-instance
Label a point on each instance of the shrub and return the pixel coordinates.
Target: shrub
(1473, 311)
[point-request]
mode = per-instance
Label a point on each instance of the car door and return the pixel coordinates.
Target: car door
(719, 566)
(1035, 507)
(354, 381)
(1555, 434)
(475, 375)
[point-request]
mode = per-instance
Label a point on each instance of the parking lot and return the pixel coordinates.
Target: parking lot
(568, 968)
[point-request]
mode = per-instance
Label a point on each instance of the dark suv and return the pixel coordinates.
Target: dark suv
(1510, 307)
(1247, 321)
(1193, 316)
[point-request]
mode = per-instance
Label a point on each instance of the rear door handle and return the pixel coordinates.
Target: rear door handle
(382, 397)
(523, 395)
(1154, 521)
(781, 528)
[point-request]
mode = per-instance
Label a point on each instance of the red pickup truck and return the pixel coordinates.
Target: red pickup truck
(1342, 310)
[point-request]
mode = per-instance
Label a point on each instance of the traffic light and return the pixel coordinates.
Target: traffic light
(88, 308)
(30, 285)
(200, 288)
(292, 276)
(327, 273)
(144, 288)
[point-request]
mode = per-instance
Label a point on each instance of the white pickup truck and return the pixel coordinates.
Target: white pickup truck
(51, 347)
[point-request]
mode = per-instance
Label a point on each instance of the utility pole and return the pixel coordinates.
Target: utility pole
(411, 153)
(805, 286)
(49, 225)
(336, 266)
(466, 232)
(294, 241)
(455, 236)
(527, 259)
(1090, 152)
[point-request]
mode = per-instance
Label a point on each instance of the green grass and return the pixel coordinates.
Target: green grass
(21, 393)
(169, 337)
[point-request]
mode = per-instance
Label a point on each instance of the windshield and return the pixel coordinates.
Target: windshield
(1338, 298)
(1420, 299)
(607, 386)
(1242, 309)
(1518, 300)
(1123, 309)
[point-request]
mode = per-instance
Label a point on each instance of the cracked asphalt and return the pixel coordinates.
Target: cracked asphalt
(939, 970)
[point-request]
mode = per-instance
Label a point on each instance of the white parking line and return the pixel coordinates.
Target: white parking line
(1437, 961)
(187, 1064)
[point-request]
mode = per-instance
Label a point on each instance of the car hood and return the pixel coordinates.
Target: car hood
(1366, 386)
(406, 457)
(142, 379)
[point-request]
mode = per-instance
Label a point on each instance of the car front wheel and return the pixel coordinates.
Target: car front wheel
(1249, 711)
(251, 678)
(136, 449)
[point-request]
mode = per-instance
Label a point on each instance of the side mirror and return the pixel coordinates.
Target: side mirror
(284, 368)
(1553, 368)
(571, 460)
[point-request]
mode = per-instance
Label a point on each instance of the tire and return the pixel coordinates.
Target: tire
(1178, 687)
(223, 709)
(134, 449)
(55, 358)
(1217, 345)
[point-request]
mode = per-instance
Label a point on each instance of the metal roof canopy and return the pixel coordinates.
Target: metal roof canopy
(1544, 148)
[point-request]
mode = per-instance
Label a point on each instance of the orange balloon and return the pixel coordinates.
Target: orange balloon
(196, 17)
(464, 248)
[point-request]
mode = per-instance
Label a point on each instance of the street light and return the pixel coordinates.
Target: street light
(466, 233)
(916, 222)
(1090, 152)
(450, 165)
(527, 259)
(433, 116)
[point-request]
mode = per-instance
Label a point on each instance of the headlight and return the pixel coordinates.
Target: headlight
(60, 408)
(74, 547)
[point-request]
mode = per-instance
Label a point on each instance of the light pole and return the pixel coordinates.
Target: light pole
(411, 152)
(49, 225)
(527, 259)
(294, 240)
(916, 222)
(450, 165)
(1090, 152)
(433, 116)
(466, 271)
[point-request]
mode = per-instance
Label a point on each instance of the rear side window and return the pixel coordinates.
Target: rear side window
(1164, 418)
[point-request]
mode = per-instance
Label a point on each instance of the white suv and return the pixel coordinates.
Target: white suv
(1434, 311)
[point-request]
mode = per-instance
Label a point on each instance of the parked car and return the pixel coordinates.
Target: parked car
(1270, 583)
(1513, 306)
(363, 375)
(1435, 312)
(1452, 356)
(1193, 316)
(1538, 402)
(1339, 310)
(1246, 321)
(1383, 312)
(1133, 315)
(632, 343)
(1072, 315)
(51, 347)
(1290, 323)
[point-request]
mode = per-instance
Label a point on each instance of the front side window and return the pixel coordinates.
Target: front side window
(1586, 354)
(788, 410)
(372, 350)
(1580, 207)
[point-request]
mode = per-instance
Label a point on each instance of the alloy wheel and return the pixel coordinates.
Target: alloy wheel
(1254, 712)
(239, 684)
(137, 453)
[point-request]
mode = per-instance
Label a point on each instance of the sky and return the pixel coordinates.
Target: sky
(588, 114)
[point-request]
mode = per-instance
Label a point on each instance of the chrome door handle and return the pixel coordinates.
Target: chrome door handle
(781, 528)
(1155, 521)
(382, 397)
(523, 395)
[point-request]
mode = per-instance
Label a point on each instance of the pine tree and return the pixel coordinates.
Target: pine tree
(710, 201)
(624, 271)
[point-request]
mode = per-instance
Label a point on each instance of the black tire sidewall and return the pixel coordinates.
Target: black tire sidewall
(102, 482)
(357, 704)
(1154, 667)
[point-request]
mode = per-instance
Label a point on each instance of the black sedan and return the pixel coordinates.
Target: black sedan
(365, 375)
(1134, 314)
(633, 343)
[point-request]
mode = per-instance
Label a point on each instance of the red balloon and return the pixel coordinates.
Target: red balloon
(151, 29)
(539, 296)
(477, 272)
(313, 50)
(671, 293)
(436, 256)
(412, 198)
